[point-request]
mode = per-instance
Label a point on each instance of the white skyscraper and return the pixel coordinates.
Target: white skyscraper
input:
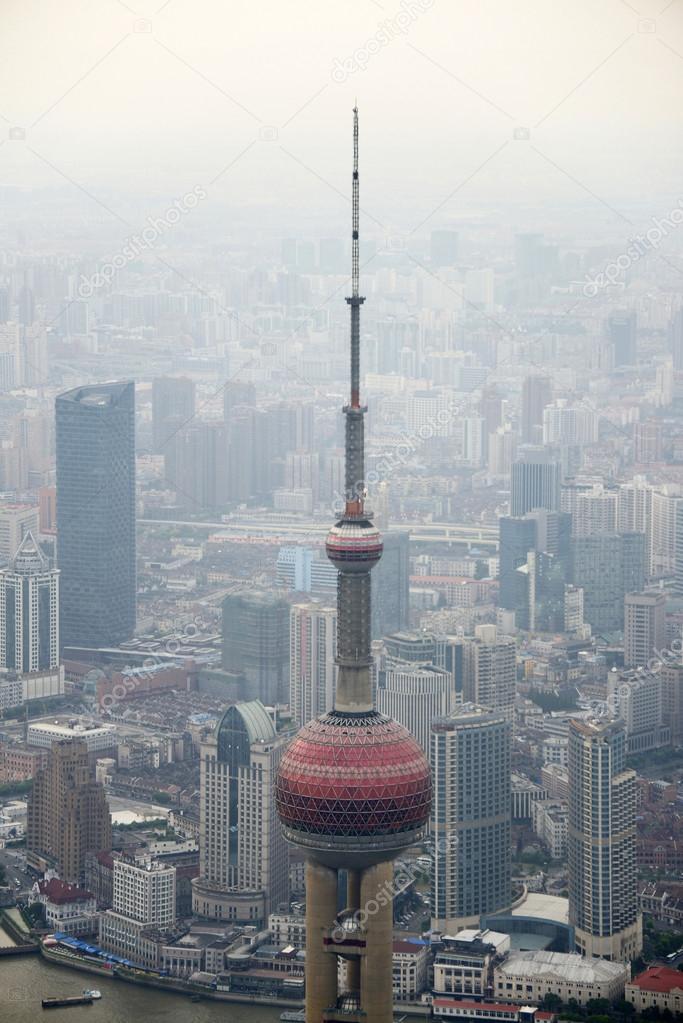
(603, 877)
(471, 816)
(29, 611)
(244, 865)
(415, 695)
(312, 669)
(491, 670)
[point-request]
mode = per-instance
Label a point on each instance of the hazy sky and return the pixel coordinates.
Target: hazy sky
(157, 98)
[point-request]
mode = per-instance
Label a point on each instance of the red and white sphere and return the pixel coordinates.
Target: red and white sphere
(354, 546)
(355, 779)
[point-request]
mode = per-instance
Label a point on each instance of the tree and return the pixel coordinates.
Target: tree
(551, 1002)
(598, 1006)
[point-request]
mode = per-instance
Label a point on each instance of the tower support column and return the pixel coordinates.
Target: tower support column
(321, 967)
(376, 992)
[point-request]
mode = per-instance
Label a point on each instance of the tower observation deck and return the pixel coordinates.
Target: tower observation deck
(354, 787)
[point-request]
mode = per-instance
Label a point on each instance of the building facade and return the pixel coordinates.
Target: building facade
(312, 667)
(68, 815)
(256, 643)
(29, 611)
(471, 816)
(95, 443)
(244, 862)
(603, 898)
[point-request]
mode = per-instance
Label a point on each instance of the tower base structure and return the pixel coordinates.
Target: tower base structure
(621, 947)
(361, 936)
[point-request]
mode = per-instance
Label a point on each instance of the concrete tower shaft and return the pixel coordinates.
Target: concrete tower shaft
(354, 787)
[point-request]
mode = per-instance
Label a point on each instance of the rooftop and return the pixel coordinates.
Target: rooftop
(60, 893)
(568, 965)
(658, 978)
(544, 907)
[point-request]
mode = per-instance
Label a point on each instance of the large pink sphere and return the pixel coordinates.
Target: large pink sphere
(346, 776)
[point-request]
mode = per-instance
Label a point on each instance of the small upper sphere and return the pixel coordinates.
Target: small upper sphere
(350, 776)
(354, 546)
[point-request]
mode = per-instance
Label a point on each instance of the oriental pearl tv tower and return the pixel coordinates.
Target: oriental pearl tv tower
(354, 788)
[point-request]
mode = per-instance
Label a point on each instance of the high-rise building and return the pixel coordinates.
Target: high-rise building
(471, 817)
(96, 514)
(415, 695)
(638, 702)
(68, 815)
(665, 504)
(196, 463)
(535, 480)
(353, 788)
(256, 643)
(644, 627)
(537, 392)
(244, 862)
(621, 332)
(173, 407)
(517, 537)
(490, 671)
(390, 594)
(676, 339)
(312, 666)
(647, 442)
(569, 424)
(603, 897)
(29, 611)
(678, 541)
(607, 566)
(236, 393)
(672, 700)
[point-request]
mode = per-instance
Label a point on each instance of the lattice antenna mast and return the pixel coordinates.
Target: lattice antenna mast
(355, 485)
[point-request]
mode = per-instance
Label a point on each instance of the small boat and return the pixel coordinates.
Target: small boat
(291, 1016)
(62, 1003)
(94, 994)
(196, 998)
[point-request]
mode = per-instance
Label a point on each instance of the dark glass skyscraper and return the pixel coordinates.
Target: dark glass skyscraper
(95, 435)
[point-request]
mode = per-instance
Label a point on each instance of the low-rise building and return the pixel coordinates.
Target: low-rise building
(658, 987)
(488, 1012)
(463, 965)
(287, 929)
(551, 824)
(662, 901)
(19, 762)
(410, 970)
(528, 976)
(67, 908)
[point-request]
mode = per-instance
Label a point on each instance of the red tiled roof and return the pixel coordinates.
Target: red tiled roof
(60, 892)
(659, 978)
(407, 946)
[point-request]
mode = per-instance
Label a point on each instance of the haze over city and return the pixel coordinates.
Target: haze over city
(341, 511)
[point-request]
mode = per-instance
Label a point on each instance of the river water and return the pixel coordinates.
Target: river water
(25, 980)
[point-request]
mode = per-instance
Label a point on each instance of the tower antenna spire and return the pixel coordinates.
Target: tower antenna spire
(355, 260)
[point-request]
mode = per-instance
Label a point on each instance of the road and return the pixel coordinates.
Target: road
(277, 531)
(14, 864)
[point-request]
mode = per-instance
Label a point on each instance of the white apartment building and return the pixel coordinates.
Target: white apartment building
(312, 668)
